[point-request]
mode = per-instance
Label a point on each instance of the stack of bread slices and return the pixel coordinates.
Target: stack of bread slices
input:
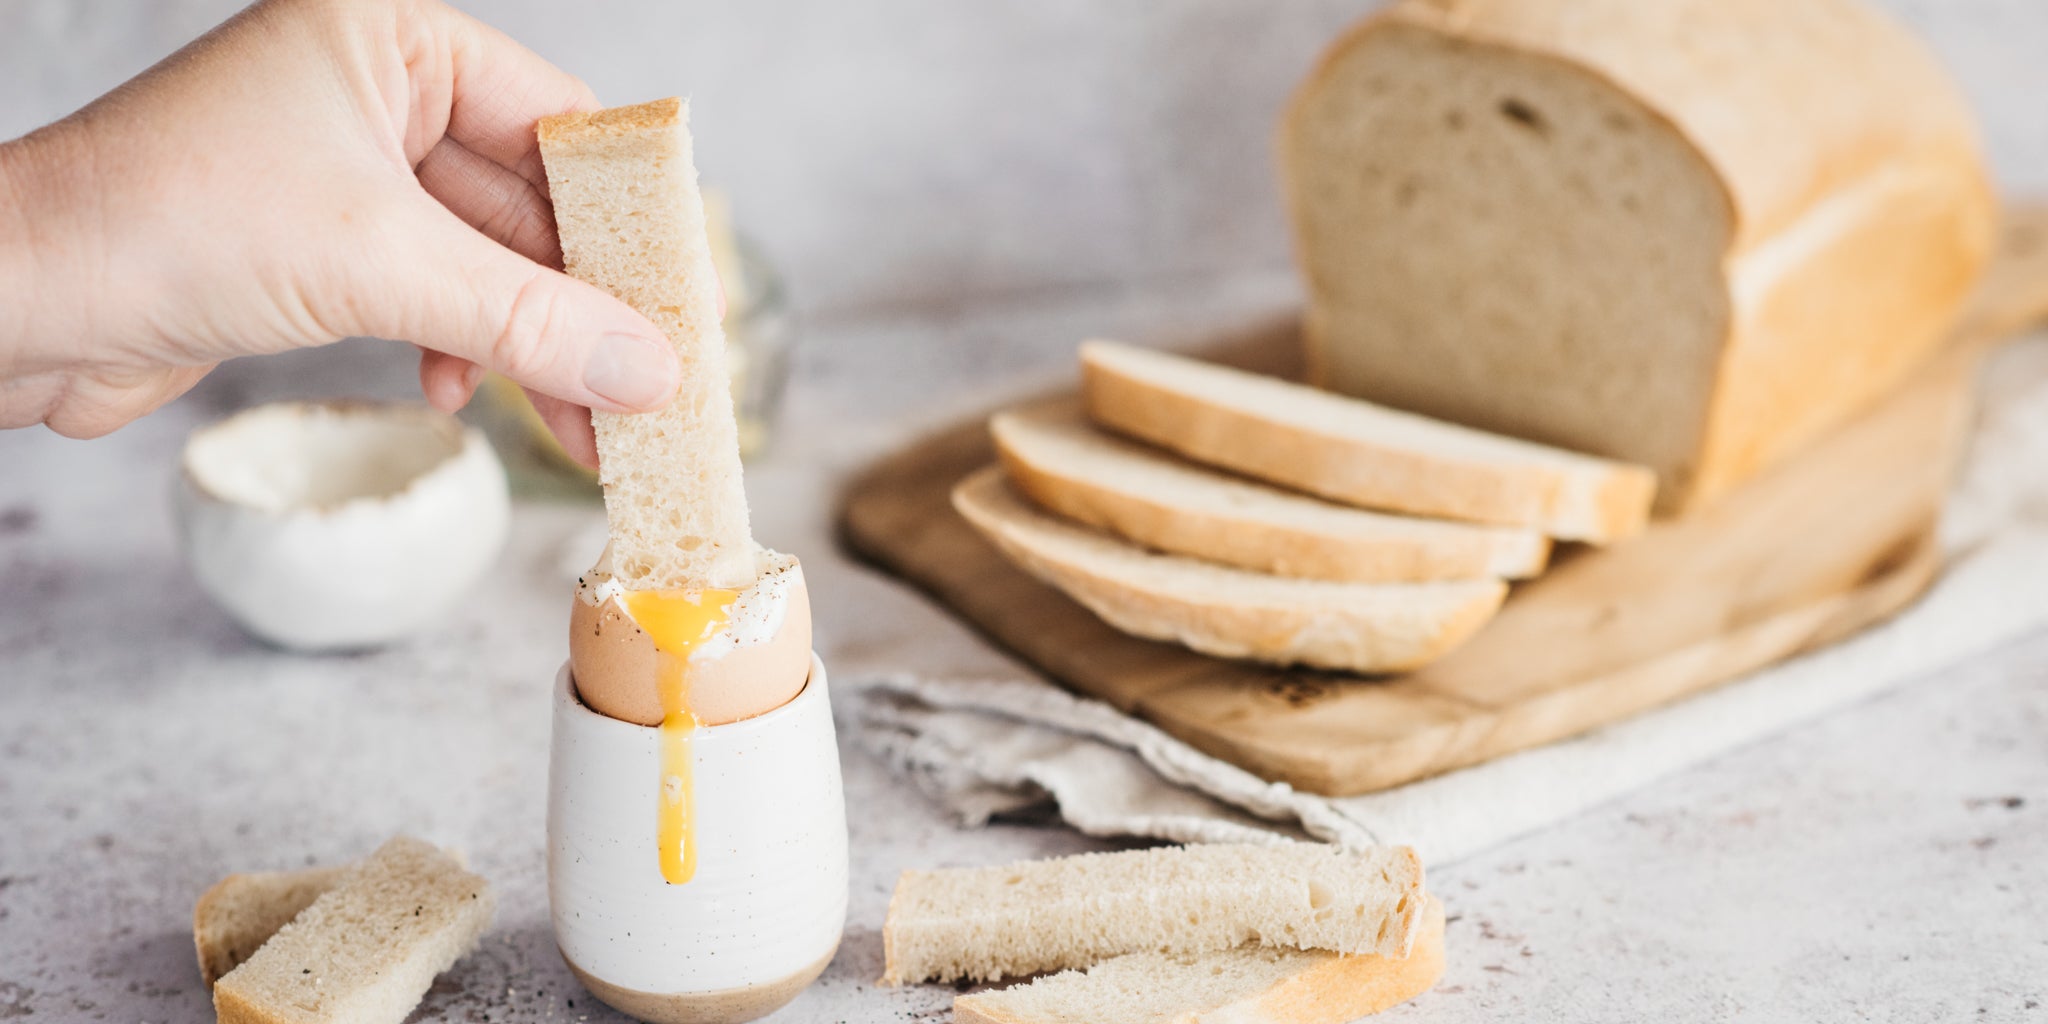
(1250, 517)
(1295, 933)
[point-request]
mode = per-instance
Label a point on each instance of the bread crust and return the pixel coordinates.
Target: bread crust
(1835, 330)
(1598, 505)
(318, 968)
(611, 122)
(1223, 533)
(1332, 637)
(1791, 100)
(1199, 899)
(1326, 990)
(240, 912)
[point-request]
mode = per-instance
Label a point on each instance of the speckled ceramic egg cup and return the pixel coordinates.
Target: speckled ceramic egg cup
(763, 914)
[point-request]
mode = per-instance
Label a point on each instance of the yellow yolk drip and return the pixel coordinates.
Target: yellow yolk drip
(677, 621)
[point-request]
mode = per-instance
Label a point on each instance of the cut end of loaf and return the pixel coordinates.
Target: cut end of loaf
(1578, 223)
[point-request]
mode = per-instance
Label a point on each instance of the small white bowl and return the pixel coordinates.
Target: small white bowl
(339, 525)
(761, 917)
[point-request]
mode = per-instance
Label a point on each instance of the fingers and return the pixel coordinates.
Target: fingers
(570, 424)
(96, 402)
(500, 89)
(444, 286)
(493, 200)
(449, 382)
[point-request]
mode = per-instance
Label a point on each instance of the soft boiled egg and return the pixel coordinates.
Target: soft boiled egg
(684, 659)
(733, 653)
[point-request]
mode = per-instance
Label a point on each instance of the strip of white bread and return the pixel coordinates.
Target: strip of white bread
(365, 951)
(1350, 450)
(1224, 611)
(631, 220)
(1248, 985)
(242, 911)
(1012, 920)
(1152, 498)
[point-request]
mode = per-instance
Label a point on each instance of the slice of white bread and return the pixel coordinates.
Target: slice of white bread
(632, 222)
(365, 951)
(1247, 985)
(1224, 611)
(1143, 494)
(242, 911)
(1355, 452)
(995, 922)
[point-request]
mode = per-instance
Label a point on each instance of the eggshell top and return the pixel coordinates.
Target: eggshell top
(757, 663)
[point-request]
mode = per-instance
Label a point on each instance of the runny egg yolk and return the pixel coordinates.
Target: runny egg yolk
(677, 621)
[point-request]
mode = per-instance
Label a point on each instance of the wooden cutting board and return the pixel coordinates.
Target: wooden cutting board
(1835, 540)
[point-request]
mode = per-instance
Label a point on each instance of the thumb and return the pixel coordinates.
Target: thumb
(459, 292)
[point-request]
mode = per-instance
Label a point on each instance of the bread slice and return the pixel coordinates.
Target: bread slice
(1228, 612)
(1355, 452)
(995, 922)
(1246, 985)
(632, 222)
(242, 911)
(365, 951)
(1151, 498)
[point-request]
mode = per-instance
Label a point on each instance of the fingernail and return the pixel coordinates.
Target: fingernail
(472, 375)
(631, 371)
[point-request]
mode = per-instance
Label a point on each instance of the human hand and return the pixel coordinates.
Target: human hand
(306, 172)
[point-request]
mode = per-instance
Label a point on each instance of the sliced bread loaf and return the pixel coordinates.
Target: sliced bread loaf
(1143, 494)
(1691, 234)
(1248, 985)
(631, 220)
(995, 922)
(1355, 452)
(242, 911)
(365, 951)
(1228, 612)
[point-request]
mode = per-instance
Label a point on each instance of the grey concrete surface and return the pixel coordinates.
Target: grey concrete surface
(959, 192)
(1885, 864)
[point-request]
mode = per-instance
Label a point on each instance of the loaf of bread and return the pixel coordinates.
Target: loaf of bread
(365, 951)
(996, 922)
(242, 911)
(1248, 985)
(1356, 452)
(1687, 234)
(1228, 612)
(1151, 498)
(631, 221)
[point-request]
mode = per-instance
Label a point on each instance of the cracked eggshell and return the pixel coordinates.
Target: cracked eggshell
(615, 668)
(339, 525)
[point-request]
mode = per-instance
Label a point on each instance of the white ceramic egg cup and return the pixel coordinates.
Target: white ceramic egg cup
(323, 526)
(764, 912)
